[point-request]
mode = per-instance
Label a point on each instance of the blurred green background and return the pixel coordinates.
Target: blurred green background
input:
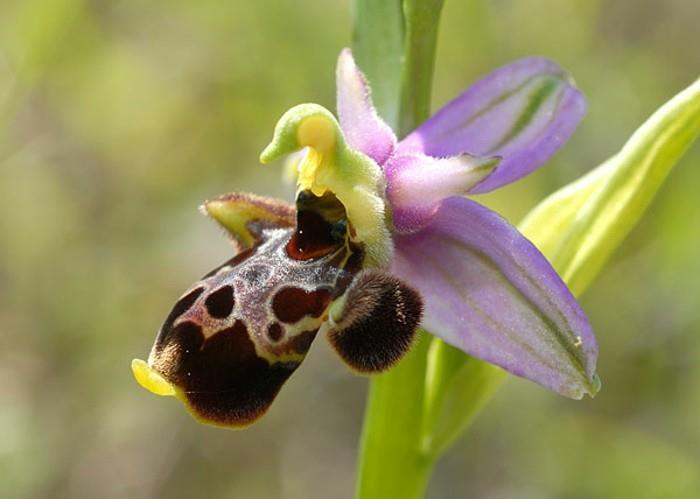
(117, 118)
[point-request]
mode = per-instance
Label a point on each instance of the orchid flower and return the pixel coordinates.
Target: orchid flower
(379, 242)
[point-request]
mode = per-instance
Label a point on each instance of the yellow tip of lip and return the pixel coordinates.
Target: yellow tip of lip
(151, 380)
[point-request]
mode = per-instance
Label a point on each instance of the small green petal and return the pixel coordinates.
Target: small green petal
(236, 211)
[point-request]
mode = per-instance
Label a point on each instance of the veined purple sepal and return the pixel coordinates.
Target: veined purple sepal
(522, 112)
(489, 292)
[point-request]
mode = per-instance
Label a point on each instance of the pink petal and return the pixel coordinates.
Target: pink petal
(417, 184)
(363, 128)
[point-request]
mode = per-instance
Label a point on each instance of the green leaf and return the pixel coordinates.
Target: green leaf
(560, 208)
(581, 225)
(457, 386)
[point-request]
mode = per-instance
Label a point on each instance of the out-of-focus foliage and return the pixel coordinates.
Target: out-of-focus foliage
(118, 118)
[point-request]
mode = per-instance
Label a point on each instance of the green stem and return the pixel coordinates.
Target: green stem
(377, 47)
(393, 462)
(421, 21)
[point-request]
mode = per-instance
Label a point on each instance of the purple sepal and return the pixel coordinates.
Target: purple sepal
(489, 292)
(522, 112)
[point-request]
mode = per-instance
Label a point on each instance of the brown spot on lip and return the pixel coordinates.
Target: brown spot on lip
(291, 304)
(302, 342)
(182, 306)
(220, 303)
(222, 377)
(275, 331)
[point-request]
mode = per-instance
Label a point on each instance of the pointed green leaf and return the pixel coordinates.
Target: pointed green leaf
(457, 386)
(581, 225)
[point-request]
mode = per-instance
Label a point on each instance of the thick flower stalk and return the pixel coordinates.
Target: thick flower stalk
(380, 241)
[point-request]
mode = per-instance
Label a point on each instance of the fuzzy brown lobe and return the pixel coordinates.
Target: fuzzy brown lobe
(378, 322)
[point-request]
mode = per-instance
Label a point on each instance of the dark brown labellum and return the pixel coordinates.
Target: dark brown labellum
(230, 343)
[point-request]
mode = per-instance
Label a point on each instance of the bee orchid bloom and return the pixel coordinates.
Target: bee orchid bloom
(380, 241)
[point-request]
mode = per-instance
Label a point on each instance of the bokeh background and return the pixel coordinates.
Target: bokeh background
(117, 118)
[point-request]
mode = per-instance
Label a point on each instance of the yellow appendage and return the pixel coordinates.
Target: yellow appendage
(317, 132)
(151, 380)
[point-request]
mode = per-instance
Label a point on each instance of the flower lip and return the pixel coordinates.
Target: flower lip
(233, 339)
(225, 355)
